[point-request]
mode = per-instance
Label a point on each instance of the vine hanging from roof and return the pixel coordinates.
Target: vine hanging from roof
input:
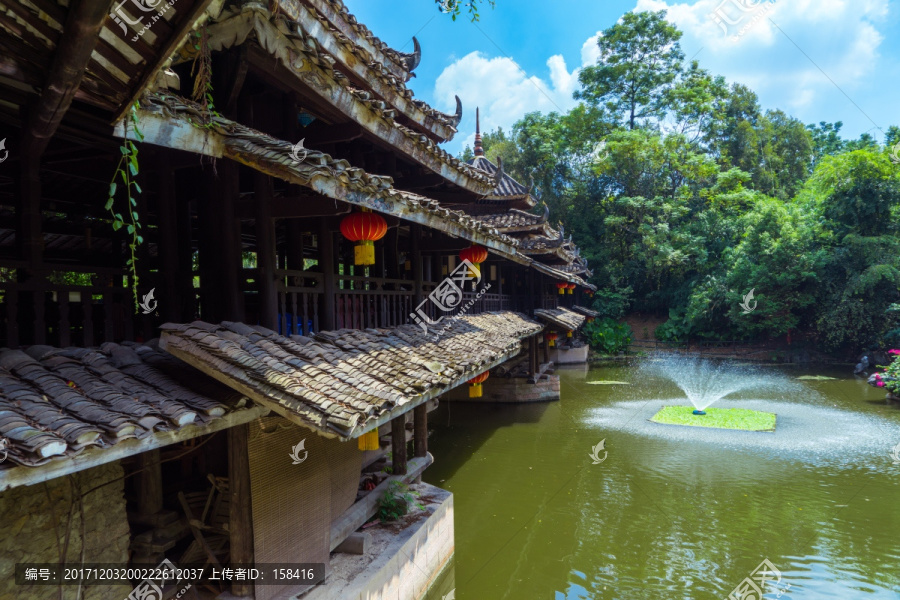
(201, 70)
(125, 173)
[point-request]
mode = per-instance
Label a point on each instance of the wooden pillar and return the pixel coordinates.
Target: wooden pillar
(30, 239)
(398, 445)
(326, 261)
(391, 254)
(220, 258)
(148, 484)
(294, 245)
(265, 251)
(546, 351)
(420, 430)
(240, 517)
(415, 248)
(533, 355)
(168, 247)
(436, 274)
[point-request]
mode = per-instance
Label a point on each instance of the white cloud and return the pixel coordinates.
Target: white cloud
(504, 92)
(841, 36)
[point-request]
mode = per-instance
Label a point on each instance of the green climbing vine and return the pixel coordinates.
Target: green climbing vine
(126, 172)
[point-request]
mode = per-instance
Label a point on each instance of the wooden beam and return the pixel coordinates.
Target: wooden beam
(80, 35)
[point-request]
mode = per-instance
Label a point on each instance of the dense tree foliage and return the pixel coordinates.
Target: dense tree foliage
(685, 194)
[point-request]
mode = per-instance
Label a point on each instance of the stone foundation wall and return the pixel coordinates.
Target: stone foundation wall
(34, 521)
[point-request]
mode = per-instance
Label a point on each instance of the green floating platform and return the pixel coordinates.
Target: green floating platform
(741, 419)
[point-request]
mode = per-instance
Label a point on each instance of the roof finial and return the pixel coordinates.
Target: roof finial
(479, 151)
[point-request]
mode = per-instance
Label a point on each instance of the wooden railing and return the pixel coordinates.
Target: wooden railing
(363, 302)
(40, 311)
(299, 295)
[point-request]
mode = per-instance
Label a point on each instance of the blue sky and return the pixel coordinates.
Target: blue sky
(818, 60)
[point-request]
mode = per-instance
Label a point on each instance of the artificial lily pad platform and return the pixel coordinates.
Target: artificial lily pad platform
(717, 418)
(607, 382)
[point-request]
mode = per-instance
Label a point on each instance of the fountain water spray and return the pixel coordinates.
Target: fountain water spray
(706, 381)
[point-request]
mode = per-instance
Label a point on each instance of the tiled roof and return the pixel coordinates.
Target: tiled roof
(372, 66)
(586, 311)
(302, 55)
(362, 36)
(540, 244)
(513, 219)
(560, 317)
(334, 178)
(56, 402)
(508, 187)
(341, 382)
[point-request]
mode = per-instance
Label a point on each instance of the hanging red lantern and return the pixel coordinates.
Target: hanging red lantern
(475, 254)
(475, 390)
(561, 286)
(552, 337)
(571, 287)
(366, 228)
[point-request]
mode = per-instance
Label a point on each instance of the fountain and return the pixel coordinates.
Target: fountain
(706, 382)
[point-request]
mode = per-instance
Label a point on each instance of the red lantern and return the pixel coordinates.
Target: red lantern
(552, 337)
(561, 286)
(366, 228)
(571, 287)
(475, 390)
(475, 254)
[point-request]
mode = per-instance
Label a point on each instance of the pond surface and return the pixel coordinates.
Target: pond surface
(671, 512)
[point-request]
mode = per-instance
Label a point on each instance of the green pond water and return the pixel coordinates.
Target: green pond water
(671, 512)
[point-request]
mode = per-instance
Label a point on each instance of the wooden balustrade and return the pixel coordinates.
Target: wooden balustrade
(299, 297)
(39, 311)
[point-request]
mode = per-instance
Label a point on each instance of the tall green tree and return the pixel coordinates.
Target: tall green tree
(640, 58)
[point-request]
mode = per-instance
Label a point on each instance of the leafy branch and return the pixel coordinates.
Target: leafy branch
(125, 173)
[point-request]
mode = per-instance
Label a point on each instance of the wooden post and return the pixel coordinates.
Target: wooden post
(148, 484)
(294, 245)
(533, 355)
(398, 445)
(415, 235)
(241, 517)
(546, 351)
(326, 261)
(391, 256)
(169, 300)
(265, 252)
(420, 425)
